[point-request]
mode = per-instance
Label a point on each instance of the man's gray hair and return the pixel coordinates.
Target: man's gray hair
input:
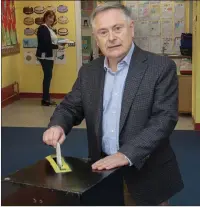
(108, 6)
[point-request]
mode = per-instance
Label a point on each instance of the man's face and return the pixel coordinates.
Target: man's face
(113, 33)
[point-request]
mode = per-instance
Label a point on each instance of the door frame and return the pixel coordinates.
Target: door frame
(78, 34)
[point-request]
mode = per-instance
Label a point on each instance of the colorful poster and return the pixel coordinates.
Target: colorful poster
(29, 42)
(155, 10)
(167, 10)
(8, 29)
(86, 44)
(143, 28)
(143, 10)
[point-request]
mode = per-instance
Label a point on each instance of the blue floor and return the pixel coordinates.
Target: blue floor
(23, 146)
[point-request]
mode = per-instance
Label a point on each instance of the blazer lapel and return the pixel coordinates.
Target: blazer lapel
(100, 79)
(136, 71)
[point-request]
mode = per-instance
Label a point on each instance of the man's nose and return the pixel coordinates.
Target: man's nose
(111, 36)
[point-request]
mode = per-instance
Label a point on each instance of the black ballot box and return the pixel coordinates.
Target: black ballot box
(39, 184)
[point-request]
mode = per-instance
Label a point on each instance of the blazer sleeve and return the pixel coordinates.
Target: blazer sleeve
(43, 35)
(69, 112)
(161, 123)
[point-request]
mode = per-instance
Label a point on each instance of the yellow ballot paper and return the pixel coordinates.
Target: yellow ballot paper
(64, 167)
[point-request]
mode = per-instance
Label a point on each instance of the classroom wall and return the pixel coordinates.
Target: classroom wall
(31, 76)
(10, 70)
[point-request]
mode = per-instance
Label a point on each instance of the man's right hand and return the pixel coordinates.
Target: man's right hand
(53, 135)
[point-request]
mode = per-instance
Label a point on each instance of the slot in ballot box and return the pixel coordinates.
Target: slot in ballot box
(39, 184)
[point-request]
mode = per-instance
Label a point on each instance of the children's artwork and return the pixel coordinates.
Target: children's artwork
(143, 10)
(63, 20)
(62, 9)
(86, 44)
(178, 28)
(28, 10)
(51, 8)
(167, 10)
(154, 28)
(179, 10)
(144, 43)
(167, 45)
(134, 9)
(155, 10)
(143, 28)
(29, 31)
(155, 44)
(161, 21)
(30, 43)
(60, 57)
(177, 44)
(167, 28)
(8, 30)
(29, 57)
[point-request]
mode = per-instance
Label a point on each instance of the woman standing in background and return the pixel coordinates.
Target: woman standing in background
(46, 53)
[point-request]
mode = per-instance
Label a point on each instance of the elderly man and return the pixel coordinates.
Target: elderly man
(129, 101)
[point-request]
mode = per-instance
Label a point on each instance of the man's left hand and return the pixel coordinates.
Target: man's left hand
(110, 162)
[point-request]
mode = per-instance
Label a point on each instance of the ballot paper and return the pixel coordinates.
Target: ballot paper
(58, 155)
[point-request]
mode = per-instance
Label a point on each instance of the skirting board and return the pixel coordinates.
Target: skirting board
(9, 94)
(39, 95)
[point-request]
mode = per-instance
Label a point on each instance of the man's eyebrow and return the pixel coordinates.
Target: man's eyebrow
(112, 27)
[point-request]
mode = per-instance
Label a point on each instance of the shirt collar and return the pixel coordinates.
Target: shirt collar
(126, 59)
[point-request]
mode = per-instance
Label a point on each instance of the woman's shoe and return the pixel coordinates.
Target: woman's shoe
(48, 103)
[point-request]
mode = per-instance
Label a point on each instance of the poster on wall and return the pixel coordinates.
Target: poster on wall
(86, 44)
(60, 57)
(143, 10)
(29, 42)
(155, 10)
(103, 2)
(161, 21)
(8, 29)
(179, 11)
(86, 49)
(167, 10)
(29, 56)
(134, 9)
